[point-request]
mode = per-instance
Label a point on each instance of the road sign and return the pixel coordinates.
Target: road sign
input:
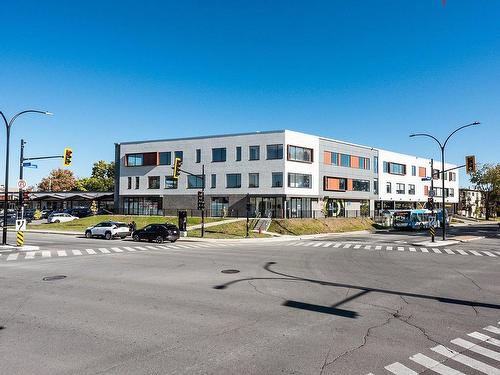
(432, 193)
(20, 225)
(21, 184)
(426, 178)
(432, 222)
(29, 165)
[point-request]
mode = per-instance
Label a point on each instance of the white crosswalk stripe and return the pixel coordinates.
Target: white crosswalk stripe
(357, 246)
(424, 250)
(30, 255)
(399, 369)
(492, 329)
(140, 248)
(77, 252)
(378, 247)
(347, 245)
(461, 252)
(401, 248)
(486, 338)
(413, 249)
(476, 348)
(90, 251)
(449, 251)
(389, 248)
(434, 365)
(117, 250)
(13, 256)
(151, 247)
(46, 254)
(437, 251)
(476, 253)
(337, 245)
(368, 247)
(104, 250)
(490, 254)
(61, 253)
(129, 248)
(465, 360)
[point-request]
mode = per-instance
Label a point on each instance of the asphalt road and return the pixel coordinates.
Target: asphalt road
(295, 307)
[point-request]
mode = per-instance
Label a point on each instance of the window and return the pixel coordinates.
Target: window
(298, 180)
(375, 164)
(360, 185)
(451, 192)
(165, 158)
(179, 154)
(345, 160)
(198, 155)
(195, 182)
(153, 182)
(435, 174)
(137, 182)
(388, 188)
(170, 182)
(335, 158)
(129, 183)
(213, 181)
(364, 163)
(439, 192)
(413, 170)
(395, 168)
(302, 154)
(238, 153)
(253, 180)
(218, 154)
(134, 160)
(375, 186)
(233, 180)
(277, 179)
(253, 152)
(411, 189)
(334, 184)
(274, 152)
(400, 188)
(386, 167)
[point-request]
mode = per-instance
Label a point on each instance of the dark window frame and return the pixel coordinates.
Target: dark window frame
(276, 148)
(289, 158)
(219, 154)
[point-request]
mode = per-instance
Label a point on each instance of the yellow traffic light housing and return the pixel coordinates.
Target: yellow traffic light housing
(470, 164)
(68, 154)
(177, 168)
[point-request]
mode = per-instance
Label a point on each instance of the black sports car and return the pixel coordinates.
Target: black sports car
(157, 232)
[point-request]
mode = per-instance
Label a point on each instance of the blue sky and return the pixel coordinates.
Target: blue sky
(370, 72)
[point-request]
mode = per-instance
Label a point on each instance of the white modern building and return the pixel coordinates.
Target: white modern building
(279, 173)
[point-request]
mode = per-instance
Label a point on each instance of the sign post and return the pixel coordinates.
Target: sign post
(20, 228)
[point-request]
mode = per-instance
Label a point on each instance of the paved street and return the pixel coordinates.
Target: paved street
(295, 307)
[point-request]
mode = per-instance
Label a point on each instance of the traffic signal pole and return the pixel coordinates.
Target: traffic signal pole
(203, 207)
(432, 204)
(21, 161)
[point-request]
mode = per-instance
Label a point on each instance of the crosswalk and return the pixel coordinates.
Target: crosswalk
(40, 254)
(413, 249)
(479, 352)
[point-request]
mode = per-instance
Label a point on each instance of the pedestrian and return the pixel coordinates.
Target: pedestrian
(132, 226)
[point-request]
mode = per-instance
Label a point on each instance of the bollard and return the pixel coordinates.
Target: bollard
(20, 238)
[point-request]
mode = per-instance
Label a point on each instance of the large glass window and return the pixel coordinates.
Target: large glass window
(233, 180)
(411, 189)
(254, 152)
(334, 184)
(303, 154)
(345, 160)
(335, 158)
(170, 182)
(238, 153)
(195, 182)
(400, 188)
(213, 179)
(198, 155)
(298, 180)
(253, 180)
(219, 154)
(134, 160)
(274, 151)
(360, 185)
(153, 182)
(165, 158)
(395, 168)
(364, 163)
(277, 179)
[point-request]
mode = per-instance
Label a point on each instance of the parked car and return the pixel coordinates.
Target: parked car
(11, 219)
(108, 230)
(157, 233)
(80, 212)
(60, 218)
(46, 213)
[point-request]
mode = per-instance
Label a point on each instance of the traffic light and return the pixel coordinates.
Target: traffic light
(68, 154)
(177, 168)
(201, 200)
(470, 164)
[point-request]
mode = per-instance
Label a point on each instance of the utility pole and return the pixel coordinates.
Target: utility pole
(203, 194)
(432, 204)
(248, 215)
(21, 161)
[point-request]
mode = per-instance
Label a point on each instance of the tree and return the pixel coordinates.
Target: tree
(58, 180)
(102, 179)
(487, 180)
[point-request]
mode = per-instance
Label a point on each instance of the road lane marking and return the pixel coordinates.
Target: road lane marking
(30, 255)
(347, 245)
(413, 249)
(476, 253)
(492, 329)
(368, 247)
(13, 256)
(477, 349)
(433, 365)
(437, 251)
(46, 254)
(327, 244)
(117, 250)
(337, 245)
(151, 247)
(104, 250)
(461, 252)
(317, 244)
(389, 248)
(61, 253)
(449, 251)
(401, 248)
(140, 248)
(378, 247)
(485, 338)
(490, 254)
(129, 248)
(465, 360)
(399, 369)
(77, 252)
(424, 250)
(357, 246)
(90, 251)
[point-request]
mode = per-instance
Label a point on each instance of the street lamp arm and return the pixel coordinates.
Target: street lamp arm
(460, 128)
(4, 119)
(27, 111)
(427, 135)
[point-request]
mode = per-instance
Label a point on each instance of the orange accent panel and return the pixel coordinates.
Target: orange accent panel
(354, 162)
(422, 172)
(327, 156)
(332, 183)
(349, 184)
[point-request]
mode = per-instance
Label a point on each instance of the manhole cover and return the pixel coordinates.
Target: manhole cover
(52, 278)
(230, 271)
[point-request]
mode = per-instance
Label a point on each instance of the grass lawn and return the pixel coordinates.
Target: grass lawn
(230, 230)
(141, 221)
(315, 226)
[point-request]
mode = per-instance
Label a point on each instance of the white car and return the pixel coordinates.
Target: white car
(60, 218)
(108, 230)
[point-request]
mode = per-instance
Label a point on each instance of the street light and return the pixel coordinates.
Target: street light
(8, 125)
(442, 146)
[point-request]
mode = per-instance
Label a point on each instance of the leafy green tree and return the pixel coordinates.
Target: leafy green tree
(487, 180)
(102, 179)
(58, 180)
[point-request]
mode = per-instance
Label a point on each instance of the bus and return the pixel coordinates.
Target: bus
(411, 219)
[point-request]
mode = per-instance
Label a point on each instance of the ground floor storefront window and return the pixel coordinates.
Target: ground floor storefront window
(142, 206)
(266, 206)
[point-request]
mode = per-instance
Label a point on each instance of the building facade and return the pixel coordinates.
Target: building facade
(279, 173)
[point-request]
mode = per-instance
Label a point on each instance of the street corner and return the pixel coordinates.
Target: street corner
(10, 248)
(436, 243)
